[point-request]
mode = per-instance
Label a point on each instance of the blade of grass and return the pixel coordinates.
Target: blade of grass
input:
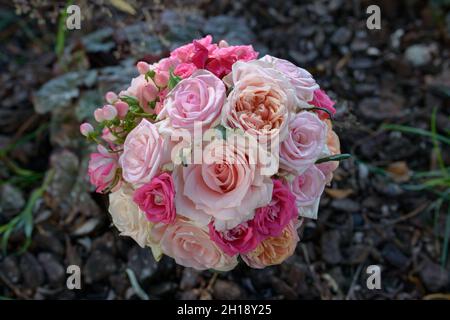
(62, 31)
(436, 146)
(421, 132)
(135, 284)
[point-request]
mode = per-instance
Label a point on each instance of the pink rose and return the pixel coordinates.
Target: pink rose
(191, 246)
(102, 169)
(274, 250)
(156, 199)
(304, 144)
(308, 188)
(143, 151)
(241, 239)
(301, 80)
(228, 186)
(322, 100)
(162, 70)
(143, 90)
(185, 70)
(271, 219)
(198, 98)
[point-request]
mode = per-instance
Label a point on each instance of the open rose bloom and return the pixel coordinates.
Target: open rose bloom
(213, 153)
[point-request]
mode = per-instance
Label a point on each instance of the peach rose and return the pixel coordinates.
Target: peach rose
(130, 221)
(191, 246)
(143, 151)
(273, 250)
(228, 186)
(260, 101)
(334, 147)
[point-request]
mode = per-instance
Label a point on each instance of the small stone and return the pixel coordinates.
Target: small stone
(346, 205)
(11, 201)
(10, 269)
(341, 36)
(142, 263)
(418, 55)
(53, 268)
(434, 277)
(331, 252)
(99, 266)
(226, 290)
(31, 270)
(394, 256)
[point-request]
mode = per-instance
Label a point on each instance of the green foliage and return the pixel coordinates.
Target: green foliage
(336, 157)
(173, 80)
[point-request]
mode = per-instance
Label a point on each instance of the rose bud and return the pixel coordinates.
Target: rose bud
(86, 129)
(223, 44)
(110, 97)
(122, 109)
(109, 112)
(161, 79)
(143, 67)
(150, 92)
(98, 115)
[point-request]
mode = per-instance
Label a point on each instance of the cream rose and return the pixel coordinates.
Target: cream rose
(191, 246)
(130, 221)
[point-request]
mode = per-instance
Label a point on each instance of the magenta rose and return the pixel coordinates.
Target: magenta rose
(304, 144)
(273, 218)
(156, 199)
(322, 100)
(102, 168)
(198, 98)
(241, 239)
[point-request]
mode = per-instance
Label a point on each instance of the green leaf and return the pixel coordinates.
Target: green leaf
(417, 131)
(336, 157)
(150, 75)
(173, 81)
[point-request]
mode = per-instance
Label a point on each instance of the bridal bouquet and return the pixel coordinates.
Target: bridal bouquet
(213, 154)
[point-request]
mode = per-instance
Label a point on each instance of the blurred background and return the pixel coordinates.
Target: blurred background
(388, 205)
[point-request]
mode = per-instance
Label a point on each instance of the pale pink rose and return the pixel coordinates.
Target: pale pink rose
(307, 188)
(228, 186)
(260, 101)
(322, 100)
(333, 148)
(103, 168)
(185, 70)
(156, 199)
(274, 250)
(304, 144)
(198, 98)
(122, 109)
(191, 246)
(241, 239)
(108, 136)
(162, 70)
(271, 219)
(86, 129)
(143, 90)
(301, 80)
(143, 151)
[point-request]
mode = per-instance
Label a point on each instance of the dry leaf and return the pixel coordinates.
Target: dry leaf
(399, 171)
(123, 6)
(338, 193)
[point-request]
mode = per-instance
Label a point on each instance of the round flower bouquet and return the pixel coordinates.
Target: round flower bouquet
(213, 154)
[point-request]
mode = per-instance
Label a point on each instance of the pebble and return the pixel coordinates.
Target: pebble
(32, 272)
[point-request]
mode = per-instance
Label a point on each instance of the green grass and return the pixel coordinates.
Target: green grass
(436, 182)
